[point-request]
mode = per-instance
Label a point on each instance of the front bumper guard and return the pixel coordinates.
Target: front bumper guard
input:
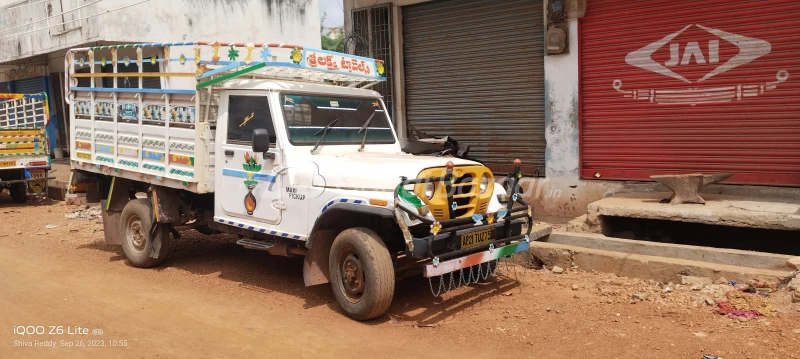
(507, 224)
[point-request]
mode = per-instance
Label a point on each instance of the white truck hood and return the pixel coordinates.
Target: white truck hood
(374, 171)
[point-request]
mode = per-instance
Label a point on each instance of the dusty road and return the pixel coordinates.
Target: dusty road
(213, 298)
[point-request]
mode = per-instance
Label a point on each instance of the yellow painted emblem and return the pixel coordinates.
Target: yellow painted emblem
(247, 119)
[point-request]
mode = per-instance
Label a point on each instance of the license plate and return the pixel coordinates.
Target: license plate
(36, 173)
(476, 238)
(8, 164)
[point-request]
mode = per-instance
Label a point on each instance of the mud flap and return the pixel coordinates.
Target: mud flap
(111, 230)
(315, 264)
(111, 208)
(165, 204)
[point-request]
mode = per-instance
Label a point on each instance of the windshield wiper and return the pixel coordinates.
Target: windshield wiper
(324, 131)
(365, 128)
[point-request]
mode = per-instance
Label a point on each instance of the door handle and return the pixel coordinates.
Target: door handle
(229, 153)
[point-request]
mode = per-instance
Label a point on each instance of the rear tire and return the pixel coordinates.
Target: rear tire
(136, 222)
(18, 192)
(362, 274)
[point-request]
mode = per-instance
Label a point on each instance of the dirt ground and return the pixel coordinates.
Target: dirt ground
(213, 298)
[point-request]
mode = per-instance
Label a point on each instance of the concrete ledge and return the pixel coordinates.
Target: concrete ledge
(57, 189)
(646, 267)
(718, 210)
(724, 256)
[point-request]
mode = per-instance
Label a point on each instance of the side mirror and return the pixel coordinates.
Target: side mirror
(260, 140)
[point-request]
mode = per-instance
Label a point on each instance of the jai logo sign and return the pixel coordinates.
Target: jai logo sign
(697, 53)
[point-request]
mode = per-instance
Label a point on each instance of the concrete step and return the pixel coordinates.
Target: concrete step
(663, 269)
(733, 257)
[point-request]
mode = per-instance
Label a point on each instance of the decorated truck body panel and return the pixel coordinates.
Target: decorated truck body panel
(24, 155)
(288, 148)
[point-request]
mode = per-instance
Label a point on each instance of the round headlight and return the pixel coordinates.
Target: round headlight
(429, 189)
(484, 182)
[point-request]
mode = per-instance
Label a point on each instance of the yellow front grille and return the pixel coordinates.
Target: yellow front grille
(465, 189)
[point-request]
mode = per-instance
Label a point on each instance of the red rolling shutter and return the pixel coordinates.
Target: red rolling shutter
(691, 86)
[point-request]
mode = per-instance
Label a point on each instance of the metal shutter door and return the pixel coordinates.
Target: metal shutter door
(721, 95)
(475, 70)
(31, 85)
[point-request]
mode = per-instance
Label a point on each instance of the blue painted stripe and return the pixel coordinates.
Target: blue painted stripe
(134, 90)
(358, 201)
(245, 174)
(260, 230)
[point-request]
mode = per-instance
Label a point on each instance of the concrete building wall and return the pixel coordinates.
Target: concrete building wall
(288, 21)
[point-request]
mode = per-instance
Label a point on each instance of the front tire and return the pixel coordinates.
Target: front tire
(362, 274)
(136, 223)
(18, 192)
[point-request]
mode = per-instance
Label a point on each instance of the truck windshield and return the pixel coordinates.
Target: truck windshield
(307, 115)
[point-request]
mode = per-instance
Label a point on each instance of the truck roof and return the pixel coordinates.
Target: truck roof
(186, 67)
(279, 85)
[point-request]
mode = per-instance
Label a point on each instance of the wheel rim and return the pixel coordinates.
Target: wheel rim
(135, 234)
(351, 272)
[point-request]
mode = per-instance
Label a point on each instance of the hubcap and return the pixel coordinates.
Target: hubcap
(351, 271)
(136, 234)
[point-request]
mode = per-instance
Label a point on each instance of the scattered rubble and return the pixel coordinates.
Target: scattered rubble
(558, 270)
(695, 281)
(88, 212)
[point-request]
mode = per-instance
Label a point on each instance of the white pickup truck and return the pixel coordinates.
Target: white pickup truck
(287, 148)
(24, 155)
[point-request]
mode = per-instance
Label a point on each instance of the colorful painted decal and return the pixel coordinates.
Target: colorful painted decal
(342, 200)
(439, 268)
(296, 56)
(104, 159)
(82, 109)
(182, 114)
(133, 152)
(249, 57)
(182, 173)
(83, 145)
(152, 155)
(128, 163)
(215, 46)
(104, 110)
(436, 227)
(128, 111)
(180, 159)
(85, 156)
(99, 136)
(379, 68)
(154, 113)
(153, 142)
(36, 186)
(152, 167)
(233, 54)
(332, 61)
(265, 53)
(250, 165)
(104, 148)
(259, 229)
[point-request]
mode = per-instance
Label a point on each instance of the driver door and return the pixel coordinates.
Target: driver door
(246, 185)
